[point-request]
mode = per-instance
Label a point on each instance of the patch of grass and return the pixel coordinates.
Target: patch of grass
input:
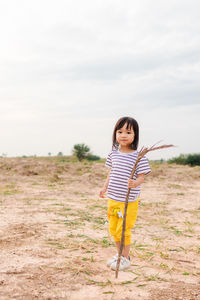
(90, 251)
(79, 194)
(160, 203)
(139, 246)
(182, 248)
(82, 236)
(10, 192)
(141, 285)
(155, 278)
(97, 227)
(150, 278)
(126, 282)
(54, 178)
(92, 259)
(179, 249)
(100, 283)
(11, 185)
(174, 186)
(84, 216)
(99, 220)
(97, 207)
(158, 238)
(186, 273)
(72, 214)
(85, 259)
(106, 243)
(129, 281)
(64, 160)
(164, 255)
(28, 202)
(56, 244)
(163, 221)
(190, 226)
(176, 231)
(73, 224)
(110, 292)
(174, 250)
(71, 235)
(35, 183)
(164, 266)
(93, 241)
(149, 253)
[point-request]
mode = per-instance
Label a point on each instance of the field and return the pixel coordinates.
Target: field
(54, 240)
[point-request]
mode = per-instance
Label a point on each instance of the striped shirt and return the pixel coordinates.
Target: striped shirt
(121, 165)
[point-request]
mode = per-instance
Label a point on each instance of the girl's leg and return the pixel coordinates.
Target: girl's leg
(112, 229)
(125, 251)
(130, 222)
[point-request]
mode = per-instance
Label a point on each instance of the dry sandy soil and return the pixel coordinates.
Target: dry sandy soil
(54, 242)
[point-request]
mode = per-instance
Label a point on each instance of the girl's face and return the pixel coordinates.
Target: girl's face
(125, 136)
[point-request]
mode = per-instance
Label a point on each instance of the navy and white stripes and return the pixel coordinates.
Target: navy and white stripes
(121, 165)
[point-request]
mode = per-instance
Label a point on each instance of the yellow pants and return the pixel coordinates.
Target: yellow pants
(115, 216)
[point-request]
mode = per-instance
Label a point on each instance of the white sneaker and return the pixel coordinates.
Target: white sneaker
(112, 260)
(124, 264)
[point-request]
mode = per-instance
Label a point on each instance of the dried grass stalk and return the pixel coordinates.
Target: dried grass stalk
(141, 153)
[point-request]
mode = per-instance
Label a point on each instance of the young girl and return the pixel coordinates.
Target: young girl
(121, 161)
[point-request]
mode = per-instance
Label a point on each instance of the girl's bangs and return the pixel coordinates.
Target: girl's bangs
(126, 121)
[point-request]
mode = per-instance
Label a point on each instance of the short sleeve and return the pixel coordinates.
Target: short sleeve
(143, 166)
(109, 161)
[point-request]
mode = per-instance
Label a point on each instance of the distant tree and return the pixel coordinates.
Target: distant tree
(49, 153)
(60, 154)
(81, 151)
(92, 157)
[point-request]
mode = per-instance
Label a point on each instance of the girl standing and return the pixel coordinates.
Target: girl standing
(120, 161)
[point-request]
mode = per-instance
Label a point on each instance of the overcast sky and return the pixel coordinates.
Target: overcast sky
(70, 68)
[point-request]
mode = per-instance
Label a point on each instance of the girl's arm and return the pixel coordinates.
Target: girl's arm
(134, 183)
(103, 191)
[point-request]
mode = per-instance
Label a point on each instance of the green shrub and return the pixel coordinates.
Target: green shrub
(92, 157)
(193, 159)
(180, 160)
(60, 154)
(81, 151)
(186, 159)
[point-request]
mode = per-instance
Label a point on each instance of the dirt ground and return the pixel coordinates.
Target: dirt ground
(54, 240)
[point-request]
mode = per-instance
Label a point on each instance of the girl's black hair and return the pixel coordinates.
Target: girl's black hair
(130, 123)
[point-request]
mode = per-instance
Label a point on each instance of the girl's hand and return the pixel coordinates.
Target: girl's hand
(132, 184)
(102, 192)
